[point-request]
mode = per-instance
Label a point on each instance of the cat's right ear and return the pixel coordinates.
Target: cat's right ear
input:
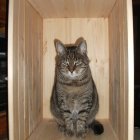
(60, 48)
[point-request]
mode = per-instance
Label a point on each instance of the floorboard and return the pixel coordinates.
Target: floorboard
(47, 130)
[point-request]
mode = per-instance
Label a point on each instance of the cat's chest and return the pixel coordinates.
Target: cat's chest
(72, 102)
(74, 98)
(73, 89)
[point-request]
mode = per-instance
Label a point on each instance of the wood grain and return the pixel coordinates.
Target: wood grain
(33, 65)
(21, 67)
(114, 69)
(31, 48)
(10, 71)
(121, 69)
(130, 44)
(95, 32)
(48, 128)
(25, 68)
(73, 8)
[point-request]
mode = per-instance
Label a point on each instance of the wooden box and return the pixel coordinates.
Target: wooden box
(107, 27)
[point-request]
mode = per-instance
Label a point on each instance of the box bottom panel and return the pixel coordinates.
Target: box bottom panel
(47, 130)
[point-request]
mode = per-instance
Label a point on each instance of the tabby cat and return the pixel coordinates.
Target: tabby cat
(74, 100)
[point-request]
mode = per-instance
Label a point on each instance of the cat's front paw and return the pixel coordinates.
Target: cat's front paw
(69, 132)
(61, 128)
(81, 131)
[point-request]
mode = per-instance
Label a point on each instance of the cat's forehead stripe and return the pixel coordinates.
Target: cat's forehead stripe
(71, 52)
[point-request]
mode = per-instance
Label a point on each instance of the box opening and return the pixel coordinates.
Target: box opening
(103, 24)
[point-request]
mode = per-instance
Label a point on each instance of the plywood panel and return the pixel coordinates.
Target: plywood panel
(13, 71)
(10, 72)
(47, 129)
(121, 77)
(24, 69)
(73, 8)
(28, 71)
(21, 67)
(34, 25)
(114, 68)
(95, 32)
(130, 43)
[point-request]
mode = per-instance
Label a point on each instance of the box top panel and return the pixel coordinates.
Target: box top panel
(73, 8)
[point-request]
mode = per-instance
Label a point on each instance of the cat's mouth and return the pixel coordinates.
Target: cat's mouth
(72, 74)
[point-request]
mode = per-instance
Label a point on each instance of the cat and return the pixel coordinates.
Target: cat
(74, 101)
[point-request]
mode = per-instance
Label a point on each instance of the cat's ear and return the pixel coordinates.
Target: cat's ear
(82, 47)
(60, 48)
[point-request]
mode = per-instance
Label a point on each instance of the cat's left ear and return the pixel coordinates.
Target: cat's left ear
(60, 48)
(82, 47)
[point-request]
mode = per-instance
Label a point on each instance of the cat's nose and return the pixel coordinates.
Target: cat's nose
(74, 115)
(71, 70)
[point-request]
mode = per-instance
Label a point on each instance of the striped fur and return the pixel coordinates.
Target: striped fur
(74, 101)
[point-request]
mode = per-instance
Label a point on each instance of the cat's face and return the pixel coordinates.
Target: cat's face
(72, 61)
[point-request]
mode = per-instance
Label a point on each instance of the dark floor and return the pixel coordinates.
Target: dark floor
(137, 134)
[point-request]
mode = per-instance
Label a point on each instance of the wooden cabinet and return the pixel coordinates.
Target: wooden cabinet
(107, 28)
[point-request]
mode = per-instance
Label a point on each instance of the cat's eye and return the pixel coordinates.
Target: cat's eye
(78, 63)
(65, 64)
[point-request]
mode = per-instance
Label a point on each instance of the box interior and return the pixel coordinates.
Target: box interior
(67, 21)
(97, 21)
(95, 32)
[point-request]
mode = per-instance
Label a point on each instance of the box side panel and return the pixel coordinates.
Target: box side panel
(24, 69)
(95, 32)
(73, 8)
(130, 70)
(114, 69)
(12, 98)
(121, 81)
(33, 67)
